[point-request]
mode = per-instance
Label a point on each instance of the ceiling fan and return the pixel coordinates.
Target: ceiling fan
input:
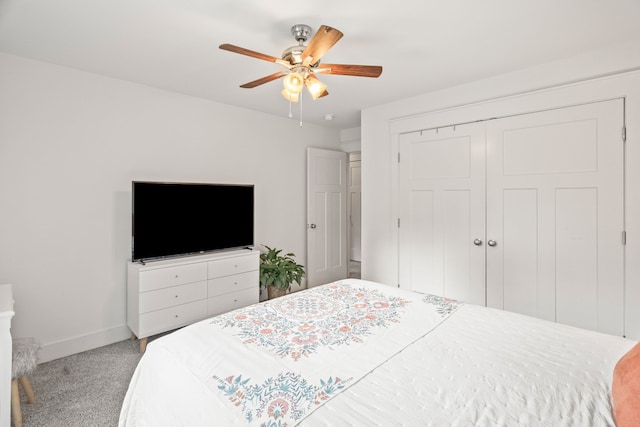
(303, 63)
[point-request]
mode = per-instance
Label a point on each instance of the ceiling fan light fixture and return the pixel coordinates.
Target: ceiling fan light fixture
(315, 87)
(293, 97)
(293, 83)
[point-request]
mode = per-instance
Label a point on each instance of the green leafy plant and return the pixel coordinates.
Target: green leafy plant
(279, 271)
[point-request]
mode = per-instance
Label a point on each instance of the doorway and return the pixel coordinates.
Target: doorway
(354, 206)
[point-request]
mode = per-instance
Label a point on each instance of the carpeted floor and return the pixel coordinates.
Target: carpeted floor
(85, 389)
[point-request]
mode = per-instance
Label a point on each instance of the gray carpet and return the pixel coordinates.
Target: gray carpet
(85, 389)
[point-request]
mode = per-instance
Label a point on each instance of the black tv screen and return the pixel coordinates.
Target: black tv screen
(173, 219)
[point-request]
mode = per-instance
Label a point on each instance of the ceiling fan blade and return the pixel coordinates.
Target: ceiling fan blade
(252, 53)
(264, 80)
(350, 70)
(321, 42)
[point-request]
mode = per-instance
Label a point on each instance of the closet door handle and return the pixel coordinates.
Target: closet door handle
(477, 242)
(492, 243)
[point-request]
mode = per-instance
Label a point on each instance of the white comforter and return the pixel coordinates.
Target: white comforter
(417, 360)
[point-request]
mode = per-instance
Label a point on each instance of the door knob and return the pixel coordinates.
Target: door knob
(477, 242)
(312, 226)
(491, 243)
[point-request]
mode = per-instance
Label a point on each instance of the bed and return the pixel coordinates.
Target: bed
(359, 353)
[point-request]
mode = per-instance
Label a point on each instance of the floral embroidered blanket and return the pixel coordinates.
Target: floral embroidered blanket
(274, 363)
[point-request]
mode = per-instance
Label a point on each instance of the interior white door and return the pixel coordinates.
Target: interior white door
(555, 215)
(441, 180)
(326, 216)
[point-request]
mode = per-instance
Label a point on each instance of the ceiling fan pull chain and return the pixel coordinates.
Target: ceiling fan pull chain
(290, 113)
(301, 109)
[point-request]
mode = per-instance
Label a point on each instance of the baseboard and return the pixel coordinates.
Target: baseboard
(56, 350)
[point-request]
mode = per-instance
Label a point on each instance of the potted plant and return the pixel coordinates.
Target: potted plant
(278, 272)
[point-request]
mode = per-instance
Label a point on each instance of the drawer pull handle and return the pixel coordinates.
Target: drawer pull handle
(235, 300)
(176, 316)
(176, 296)
(176, 276)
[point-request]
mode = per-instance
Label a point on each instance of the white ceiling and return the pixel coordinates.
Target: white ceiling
(423, 45)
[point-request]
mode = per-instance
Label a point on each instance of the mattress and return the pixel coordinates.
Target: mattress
(407, 359)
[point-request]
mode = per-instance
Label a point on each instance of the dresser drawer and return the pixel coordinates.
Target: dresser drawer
(172, 317)
(231, 301)
(236, 282)
(175, 295)
(159, 278)
(234, 265)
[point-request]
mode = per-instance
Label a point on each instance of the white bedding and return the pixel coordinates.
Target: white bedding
(464, 365)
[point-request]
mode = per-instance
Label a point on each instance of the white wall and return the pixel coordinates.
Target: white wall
(70, 145)
(567, 82)
(350, 140)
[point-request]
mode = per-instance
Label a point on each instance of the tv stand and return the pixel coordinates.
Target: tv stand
(168, 294)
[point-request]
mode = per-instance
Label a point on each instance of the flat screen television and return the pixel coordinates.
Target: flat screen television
(178, 219)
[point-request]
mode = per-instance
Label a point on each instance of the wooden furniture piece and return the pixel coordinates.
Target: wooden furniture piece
(168, 294)
(6, 314)
(25, 355)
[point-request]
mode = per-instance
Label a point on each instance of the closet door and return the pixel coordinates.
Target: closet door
(555, 215)
(442, 212)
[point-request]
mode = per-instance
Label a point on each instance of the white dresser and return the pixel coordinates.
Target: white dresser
(6, 314)
(166, 295)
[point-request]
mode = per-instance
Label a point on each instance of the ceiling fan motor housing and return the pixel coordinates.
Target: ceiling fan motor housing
(293, 54)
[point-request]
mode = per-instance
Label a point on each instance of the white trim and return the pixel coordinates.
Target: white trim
(55, 350)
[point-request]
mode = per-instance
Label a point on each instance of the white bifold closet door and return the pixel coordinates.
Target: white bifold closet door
(555, 192)
(523, 213)
(442, 211)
